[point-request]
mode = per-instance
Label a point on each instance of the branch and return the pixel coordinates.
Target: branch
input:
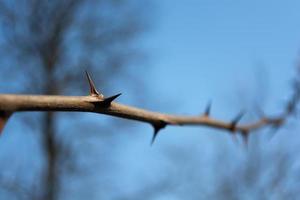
(97, 103)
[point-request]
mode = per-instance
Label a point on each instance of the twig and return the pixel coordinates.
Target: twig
(97, 103)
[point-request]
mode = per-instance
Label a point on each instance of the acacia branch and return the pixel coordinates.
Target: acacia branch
(97, 103)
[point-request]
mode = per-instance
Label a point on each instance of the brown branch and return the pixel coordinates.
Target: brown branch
(97, 103)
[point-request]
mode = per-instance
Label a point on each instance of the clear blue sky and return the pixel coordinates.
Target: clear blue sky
(206, 44)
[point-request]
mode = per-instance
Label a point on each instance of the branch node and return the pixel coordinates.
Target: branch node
(235, 121)
(108, 100)
(207, 110)
(157, 127)
(278, 122)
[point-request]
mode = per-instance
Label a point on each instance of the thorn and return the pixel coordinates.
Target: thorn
(273, 131)
(107, 101)
(93, 90)
(278, 122)
(157, 128)
(236, 120)
(245, 136)
(4, 116)
(291, 105)
(207, 110)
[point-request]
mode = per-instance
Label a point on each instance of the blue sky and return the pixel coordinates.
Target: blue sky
(212, 49)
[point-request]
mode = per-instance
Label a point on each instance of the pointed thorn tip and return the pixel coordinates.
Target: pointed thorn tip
(111, 98)
(208, 108)
(236, 120)
(93, 90)
(157, 128)
(153, 139)
(107, 101)
(245, 136)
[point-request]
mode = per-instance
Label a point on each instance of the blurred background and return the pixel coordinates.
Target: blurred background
(166, 56)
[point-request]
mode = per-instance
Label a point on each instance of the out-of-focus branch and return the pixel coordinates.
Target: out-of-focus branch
(97, 103)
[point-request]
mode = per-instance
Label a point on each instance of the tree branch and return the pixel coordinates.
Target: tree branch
(97, 103)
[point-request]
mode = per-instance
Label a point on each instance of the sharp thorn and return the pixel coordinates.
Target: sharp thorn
(208, 108)
(4, 116)
(107, 101)
(273, 131)
(291, 106)
(275, 128)
(93, 90)
(238, 117)
(157, 128)
(236, 120)
(245, 136)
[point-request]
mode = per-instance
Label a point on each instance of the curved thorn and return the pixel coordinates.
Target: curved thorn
(4, 116)
(208, 108)
(107, 101)
(274, 130)
(236, 120)
(93, 90)
(157, 128)
(245, 136)
(291, 105)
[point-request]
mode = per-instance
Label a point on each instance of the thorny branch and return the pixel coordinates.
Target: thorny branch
(98, 103)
